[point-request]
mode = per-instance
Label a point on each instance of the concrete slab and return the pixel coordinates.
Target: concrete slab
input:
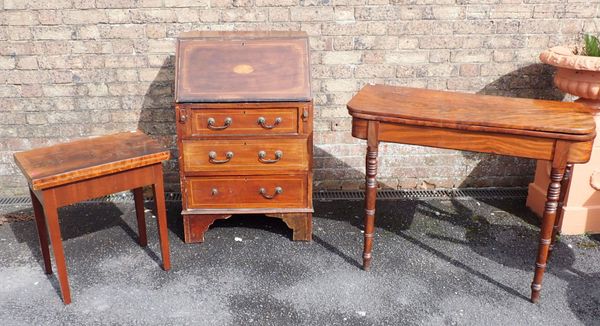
(455, 262)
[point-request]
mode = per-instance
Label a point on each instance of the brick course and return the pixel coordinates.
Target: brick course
(73, 68)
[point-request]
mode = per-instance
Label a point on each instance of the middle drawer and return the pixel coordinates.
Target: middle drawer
(239, 155)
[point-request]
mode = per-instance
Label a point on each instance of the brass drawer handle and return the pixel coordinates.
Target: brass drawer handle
(212, 157)
(211, 124)
(262, 122)
(263, 154)
(263, 192)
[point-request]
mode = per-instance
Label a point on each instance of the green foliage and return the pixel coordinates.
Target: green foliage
(592, 46)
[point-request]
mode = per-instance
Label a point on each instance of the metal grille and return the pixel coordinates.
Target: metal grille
(327, 195)
(9, 201)
(400, 194)
(122, 197)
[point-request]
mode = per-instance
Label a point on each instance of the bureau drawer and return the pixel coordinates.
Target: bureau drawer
(259, 121)
(247, 192)
(239, 155)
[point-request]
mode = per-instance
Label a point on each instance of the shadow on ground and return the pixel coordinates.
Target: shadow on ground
(77, 221)
(432, 260)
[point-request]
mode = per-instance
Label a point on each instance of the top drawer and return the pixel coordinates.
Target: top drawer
(267, 119)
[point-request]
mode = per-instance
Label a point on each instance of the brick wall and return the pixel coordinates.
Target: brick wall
(71, 68)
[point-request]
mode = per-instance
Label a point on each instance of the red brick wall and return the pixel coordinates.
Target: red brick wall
(72, 68)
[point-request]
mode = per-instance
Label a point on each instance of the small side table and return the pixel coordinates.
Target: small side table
(68, 173)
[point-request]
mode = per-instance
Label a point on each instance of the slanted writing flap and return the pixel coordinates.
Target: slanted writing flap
(238, 67)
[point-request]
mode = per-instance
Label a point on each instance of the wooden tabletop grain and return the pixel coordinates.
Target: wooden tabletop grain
(456, 110)
(87, 158)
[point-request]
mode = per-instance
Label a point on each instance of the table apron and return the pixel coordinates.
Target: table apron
(540, 148)
(92, 188)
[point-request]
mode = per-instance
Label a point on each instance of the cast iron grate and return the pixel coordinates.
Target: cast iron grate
(327, 195)
(9, 201)
(114, 198)
(399, 194)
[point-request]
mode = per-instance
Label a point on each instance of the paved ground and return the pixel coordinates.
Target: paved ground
(461, 262)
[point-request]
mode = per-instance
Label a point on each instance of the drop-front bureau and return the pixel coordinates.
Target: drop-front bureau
(244, 127)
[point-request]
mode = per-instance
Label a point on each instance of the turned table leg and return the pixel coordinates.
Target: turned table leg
(564, 185)
(556, 176)
(370, 192)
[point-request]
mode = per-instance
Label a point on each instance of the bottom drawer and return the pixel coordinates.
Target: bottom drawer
(247, 192)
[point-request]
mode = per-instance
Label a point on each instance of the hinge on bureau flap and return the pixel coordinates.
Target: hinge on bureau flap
(184, 188)
(305, 114)
(182, 116)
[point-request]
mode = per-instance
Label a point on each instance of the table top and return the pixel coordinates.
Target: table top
(87, 158)
(472, 111)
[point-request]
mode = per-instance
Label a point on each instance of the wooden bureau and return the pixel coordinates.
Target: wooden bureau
(244, 127)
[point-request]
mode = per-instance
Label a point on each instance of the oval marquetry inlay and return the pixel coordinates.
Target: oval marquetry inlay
(243, 69)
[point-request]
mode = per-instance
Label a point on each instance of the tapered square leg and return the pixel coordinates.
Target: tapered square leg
(161, 216)
(138, 197)
(51, 211)
(42, 230)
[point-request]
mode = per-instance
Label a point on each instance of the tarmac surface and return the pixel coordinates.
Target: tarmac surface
(435, 262)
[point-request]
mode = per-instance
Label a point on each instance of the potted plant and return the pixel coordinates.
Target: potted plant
(577, 69)
(577, 73)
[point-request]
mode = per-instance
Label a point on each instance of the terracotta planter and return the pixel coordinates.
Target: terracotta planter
(580, 76)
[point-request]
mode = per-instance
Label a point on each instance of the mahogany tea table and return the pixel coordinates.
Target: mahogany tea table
(68, 173)
(562, 133)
